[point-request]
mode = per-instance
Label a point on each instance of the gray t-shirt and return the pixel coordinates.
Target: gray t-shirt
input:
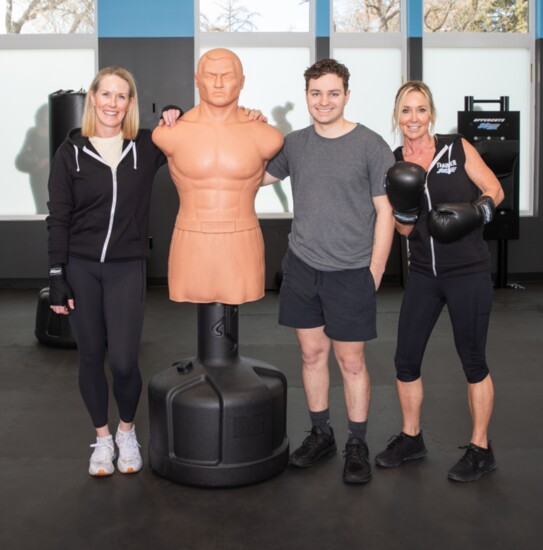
(333, 182)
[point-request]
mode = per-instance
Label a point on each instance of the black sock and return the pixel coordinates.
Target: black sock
(358, 430)
(416, 437)
(321, 419)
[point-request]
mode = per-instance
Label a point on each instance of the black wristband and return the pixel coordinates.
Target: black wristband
(405, 218)
(486, 206)
(56, 270)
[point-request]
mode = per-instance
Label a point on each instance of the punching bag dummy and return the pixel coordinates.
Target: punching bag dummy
(217, 419)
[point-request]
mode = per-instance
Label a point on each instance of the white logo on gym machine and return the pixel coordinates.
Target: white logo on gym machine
(488, 123)
(446, 167)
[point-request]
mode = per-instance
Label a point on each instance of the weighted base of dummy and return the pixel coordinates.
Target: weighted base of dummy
(218, 420)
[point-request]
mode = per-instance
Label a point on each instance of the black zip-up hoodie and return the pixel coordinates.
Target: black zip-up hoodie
(97, 213)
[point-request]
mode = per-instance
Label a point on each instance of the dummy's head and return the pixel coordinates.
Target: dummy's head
(413, 96)
(327, 66)
(219, 77)
(113, 89)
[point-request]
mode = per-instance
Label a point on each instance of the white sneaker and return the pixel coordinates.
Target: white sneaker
(101, 460)
(129, 461)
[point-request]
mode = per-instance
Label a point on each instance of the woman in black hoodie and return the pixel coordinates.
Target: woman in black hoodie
(99, 201)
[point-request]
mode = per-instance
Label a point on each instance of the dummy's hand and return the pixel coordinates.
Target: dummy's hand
(254, 114)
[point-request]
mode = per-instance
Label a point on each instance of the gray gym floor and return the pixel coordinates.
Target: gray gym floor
(48, 500)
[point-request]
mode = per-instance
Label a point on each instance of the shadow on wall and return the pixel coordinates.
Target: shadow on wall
(279, 115)
(33, 158)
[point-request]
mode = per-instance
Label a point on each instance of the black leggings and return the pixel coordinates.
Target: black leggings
(469, 301)
(109, 306)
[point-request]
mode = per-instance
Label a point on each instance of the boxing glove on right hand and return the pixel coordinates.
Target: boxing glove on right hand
(450, 222)
(59, 289)
(405, 184)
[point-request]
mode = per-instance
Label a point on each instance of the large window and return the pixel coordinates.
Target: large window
(505, 16)
(275, 46)
(366, 15)
(44, 47)
(254, 16)
(47, 16)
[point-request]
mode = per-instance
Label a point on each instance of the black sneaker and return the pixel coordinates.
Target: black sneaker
(474, 464)
(400, 448)
(316, 445)
(357, 466)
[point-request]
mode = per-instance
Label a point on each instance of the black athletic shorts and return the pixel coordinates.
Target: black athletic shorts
(344, 302)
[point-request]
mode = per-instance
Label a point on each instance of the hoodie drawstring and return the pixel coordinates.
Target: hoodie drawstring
(76, 157)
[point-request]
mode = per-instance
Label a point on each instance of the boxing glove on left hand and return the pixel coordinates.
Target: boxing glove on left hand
(59, 289)
(449, 222)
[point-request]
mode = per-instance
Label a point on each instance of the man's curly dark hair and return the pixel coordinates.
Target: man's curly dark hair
(327, 66)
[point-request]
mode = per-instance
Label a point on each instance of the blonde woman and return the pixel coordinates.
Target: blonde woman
(99, 201)
(442, 194)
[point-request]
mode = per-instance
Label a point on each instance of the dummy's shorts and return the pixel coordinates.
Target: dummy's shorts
(344, 302)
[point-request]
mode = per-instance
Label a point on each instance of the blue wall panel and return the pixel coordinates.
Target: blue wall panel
(322, 18)
(414, 18)
(145, 18)
(539, 18)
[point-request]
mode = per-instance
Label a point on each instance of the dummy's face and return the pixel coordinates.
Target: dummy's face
(219, 80)
(326, 98)
(111, 102)
(415, 116)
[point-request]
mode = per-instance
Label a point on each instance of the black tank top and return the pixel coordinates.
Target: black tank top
(447, 181)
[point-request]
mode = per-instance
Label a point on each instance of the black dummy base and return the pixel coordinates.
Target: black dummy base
(218, 419)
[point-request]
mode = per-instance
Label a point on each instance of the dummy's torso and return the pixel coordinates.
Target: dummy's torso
(217, 251)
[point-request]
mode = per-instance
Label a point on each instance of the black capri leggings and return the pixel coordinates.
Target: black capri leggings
(109, 306)
(469, 301)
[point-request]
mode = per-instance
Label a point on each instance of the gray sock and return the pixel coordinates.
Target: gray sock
(357, 430)
(321, 419)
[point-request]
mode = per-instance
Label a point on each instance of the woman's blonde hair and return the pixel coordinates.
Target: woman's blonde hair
(131, 122)
(408, 87)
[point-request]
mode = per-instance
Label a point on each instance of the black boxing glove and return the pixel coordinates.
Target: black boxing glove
(59, 289)
(405, 184)
(449, 222)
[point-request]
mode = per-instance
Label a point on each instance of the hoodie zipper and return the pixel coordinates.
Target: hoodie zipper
(429, 200)
(114, 192)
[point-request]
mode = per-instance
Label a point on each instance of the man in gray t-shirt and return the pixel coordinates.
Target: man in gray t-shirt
(340, 240)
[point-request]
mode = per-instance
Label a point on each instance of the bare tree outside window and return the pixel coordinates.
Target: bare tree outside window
(229, 16)
(49, 16)
(509, 16)
(366, 15)
(243, 16)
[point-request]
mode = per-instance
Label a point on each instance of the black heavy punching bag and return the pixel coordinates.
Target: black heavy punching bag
(65, 113)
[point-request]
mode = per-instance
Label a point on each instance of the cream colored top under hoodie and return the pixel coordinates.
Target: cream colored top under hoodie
(110, 148)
